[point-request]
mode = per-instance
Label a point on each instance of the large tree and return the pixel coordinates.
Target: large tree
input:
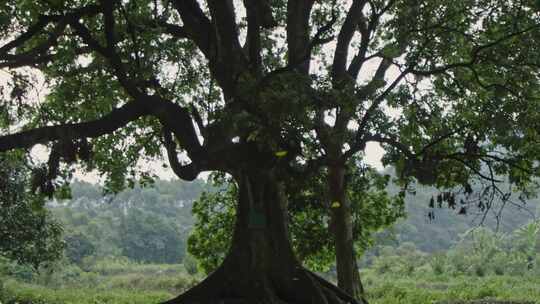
(272, 91)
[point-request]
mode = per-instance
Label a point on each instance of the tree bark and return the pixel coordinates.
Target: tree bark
(341, 224)
(260, 266)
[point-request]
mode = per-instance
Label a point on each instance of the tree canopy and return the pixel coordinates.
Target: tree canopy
(455, 90)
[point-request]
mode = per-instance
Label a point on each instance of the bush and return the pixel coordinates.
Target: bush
(190, 264)
(438, 263)
(498, 263)
(479, 270)
(58, 276)
(20, 272)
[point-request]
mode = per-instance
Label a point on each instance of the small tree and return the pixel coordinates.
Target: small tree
(526, 238)
(190, 264)
(28, 233)
(78, 246)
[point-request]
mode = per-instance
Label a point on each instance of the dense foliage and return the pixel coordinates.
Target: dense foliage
(28, 232)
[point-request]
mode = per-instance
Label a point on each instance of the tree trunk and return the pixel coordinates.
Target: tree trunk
(260, 266)
(341, 219)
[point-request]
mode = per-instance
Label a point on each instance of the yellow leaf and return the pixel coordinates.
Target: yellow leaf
(252, 136)
(336, 204)
(281, 153)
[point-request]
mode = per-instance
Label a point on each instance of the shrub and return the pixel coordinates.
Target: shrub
(20, 272)
(438, 263)
(498, 263)
(479, 270)
(190, 264)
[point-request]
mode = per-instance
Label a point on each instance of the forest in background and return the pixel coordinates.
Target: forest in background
(152, 224)
(135, 242)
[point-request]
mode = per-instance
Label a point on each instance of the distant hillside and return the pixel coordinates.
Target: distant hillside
(152, 224)
(443, 230)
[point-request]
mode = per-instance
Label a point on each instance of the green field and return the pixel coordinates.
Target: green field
(130, 283)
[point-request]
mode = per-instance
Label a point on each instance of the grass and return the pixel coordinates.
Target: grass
(444, 289)
(144, 286)
(22, 293)
(104, 282)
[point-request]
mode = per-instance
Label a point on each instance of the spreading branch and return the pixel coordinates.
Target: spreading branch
(65, 132)
(366, 29)
(359, 142)
(217, 39)
(43, 21)
(40, 54)
(474, 56)
(253, 41)
(197, 26)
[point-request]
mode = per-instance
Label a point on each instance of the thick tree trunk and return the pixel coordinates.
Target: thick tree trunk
(346, 266)
(260, 266)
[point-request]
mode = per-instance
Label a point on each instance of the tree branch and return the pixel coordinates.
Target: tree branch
(354, 16)
(366, 28)
(298, 13)
(179, 121)
(315, 41)
(197, 26)
(224, 22)
(113, 58)
(393, 142)
(253, 41)
(359, 142)
(43, 21)
(174, 30)
(186, 172)
(107, 124)
(474, 54)
(217, 39)
(39, 54)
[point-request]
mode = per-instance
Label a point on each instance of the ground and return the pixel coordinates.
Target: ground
(147, 284)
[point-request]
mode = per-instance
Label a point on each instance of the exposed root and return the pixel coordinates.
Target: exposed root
(206, 291)
(311, 288)
(338, 292)
(307, 288)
